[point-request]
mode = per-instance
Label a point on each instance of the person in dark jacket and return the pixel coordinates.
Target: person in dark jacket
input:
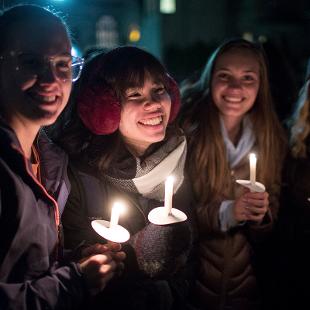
(123, 144)
(36, 73)
(292, 234)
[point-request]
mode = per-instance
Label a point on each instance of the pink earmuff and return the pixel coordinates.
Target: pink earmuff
(100, 110)
(174, 92)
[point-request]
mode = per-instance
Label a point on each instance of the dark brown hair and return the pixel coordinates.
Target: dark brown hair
(23, 13)
(119, 69)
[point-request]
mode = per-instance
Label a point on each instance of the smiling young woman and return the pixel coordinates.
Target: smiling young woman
(226, 115)
(36, 73)
(123, 144)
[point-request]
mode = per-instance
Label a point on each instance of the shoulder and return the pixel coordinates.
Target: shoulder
(48, 149)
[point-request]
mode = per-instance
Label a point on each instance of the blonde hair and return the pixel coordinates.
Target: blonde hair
(300, 123)
(207, 161)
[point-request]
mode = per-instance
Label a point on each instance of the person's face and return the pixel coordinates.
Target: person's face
(235, 83)
(29, 86)
(145, 114)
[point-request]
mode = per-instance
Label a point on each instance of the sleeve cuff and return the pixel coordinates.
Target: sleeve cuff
(226, 217)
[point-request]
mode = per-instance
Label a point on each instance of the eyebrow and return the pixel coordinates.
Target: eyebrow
(131, 91)
(132, 88)
(226, 69)
(65, 54)
(157, 83)
(62, 54)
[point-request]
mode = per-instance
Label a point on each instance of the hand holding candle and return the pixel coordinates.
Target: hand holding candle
(168, 195)
(253, 168)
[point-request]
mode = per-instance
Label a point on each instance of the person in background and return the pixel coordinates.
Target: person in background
(293, 229)
(123, 144)
(36, 73)
(226, 115)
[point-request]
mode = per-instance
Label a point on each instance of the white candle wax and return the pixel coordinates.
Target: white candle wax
(116, 210)
(253, 160)
(168, 195)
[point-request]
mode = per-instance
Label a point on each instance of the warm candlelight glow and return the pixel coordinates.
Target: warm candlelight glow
(117, 209)
(253, 160)
(168, 194)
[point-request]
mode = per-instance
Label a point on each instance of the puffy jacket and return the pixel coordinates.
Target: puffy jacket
(227, 277)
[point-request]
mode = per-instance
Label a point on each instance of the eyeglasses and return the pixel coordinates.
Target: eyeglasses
(65, 67)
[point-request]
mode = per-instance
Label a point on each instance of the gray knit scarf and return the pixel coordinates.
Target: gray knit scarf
(152, 171)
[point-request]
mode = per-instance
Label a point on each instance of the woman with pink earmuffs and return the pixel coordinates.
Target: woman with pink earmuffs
(122, 143)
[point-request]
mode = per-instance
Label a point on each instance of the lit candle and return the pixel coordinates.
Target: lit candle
(117, 208)
(168, 195)
(253, 168)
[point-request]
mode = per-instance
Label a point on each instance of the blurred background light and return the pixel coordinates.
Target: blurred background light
(167, 6)
(75, 51)
(248, 36)
(262, 39)
(134, 34)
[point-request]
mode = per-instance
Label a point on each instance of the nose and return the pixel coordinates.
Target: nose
(48, 74)
(152, 103)
(234, 83)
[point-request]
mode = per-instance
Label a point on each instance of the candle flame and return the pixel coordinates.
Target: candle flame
(119, 206)
(252, 156)
(170, 179)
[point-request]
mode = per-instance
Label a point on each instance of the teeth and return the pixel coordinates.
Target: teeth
(49, 99)
(152, 121)
(233, 99)
(45, 98)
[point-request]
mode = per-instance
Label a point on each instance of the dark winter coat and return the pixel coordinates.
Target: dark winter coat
(291, 239)
(30, 277)
(140, 287)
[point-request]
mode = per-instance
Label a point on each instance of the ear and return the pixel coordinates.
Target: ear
(99, 109)
(174, 92)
